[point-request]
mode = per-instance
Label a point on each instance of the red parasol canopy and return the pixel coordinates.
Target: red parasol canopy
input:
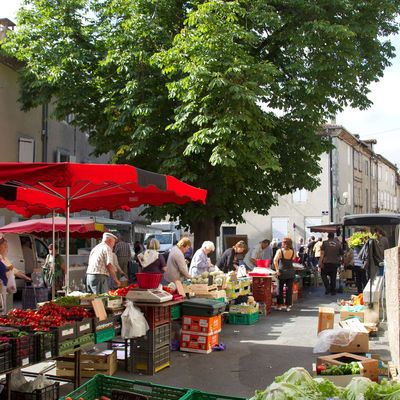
(38, 188)
(44, 226)
(34, 188)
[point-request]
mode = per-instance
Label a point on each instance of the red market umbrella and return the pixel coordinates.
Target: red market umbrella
(84, 228)
(38, 188)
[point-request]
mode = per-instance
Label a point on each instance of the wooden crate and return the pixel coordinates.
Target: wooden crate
(91, 364)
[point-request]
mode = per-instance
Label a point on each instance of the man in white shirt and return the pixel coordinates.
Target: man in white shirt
(262, 251)
(100, 266)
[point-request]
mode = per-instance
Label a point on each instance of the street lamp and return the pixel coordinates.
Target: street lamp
(345, 196)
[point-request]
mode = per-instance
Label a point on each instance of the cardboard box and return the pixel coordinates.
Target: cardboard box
(337, 380)
(351, 314)
(326, 318)
(360, 344)
(370, 366)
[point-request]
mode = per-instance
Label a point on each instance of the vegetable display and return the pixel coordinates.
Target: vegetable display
(352, 368)
(297, 384)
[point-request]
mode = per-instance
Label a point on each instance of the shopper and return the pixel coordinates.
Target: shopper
(150, 260)
(262, 251)
(331, 254)
(317, 251)
(58, 277)
(229, 260)
(382, 240)
(123, 251)
(101, 265)
(360, 274)
(200, 262)
(283, 263)
(176, 265)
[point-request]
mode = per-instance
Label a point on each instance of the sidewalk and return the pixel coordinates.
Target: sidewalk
(256, 354)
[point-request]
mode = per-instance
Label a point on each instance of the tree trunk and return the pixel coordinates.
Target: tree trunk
(207, 229)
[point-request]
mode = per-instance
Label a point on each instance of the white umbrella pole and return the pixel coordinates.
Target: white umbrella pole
(67, 240)
(53, 262)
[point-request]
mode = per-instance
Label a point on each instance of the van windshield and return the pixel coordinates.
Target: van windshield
(163, 238)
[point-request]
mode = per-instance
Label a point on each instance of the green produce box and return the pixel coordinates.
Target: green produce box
(176, 311)
(102, 385)
(105, 335)
(243, 319)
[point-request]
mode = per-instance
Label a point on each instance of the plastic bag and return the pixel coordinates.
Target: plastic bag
(17, 380)
(338, 337)
(11, 284)
(134, 323)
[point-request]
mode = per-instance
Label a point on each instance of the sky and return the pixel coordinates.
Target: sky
(381, 121)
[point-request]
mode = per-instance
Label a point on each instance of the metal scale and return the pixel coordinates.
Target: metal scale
(149, 295)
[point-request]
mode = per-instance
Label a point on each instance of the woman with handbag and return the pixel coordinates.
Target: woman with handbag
(284, 268)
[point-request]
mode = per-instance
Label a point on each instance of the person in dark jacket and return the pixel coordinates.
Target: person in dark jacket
(329, 262)
(229, 259)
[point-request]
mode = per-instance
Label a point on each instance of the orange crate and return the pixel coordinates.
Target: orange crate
(205, 325)
(262, 281)
(196, 343)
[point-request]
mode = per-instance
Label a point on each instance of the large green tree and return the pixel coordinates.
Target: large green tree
(226, 95)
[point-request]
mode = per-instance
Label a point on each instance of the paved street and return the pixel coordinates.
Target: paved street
(256, 354)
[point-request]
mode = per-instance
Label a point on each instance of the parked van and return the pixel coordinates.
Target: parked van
(167, 240)
(25, 252)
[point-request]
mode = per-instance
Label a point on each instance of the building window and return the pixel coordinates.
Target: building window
(355, 159)
(366, 168)
(300, 196)
(366, 200)
(379, 173)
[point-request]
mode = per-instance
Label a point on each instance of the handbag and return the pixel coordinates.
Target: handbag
(48, 273)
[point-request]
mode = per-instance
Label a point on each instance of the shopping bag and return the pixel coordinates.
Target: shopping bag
(11, 284)
(134, 323)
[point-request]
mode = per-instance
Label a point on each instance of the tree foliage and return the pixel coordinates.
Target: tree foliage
(226, 95)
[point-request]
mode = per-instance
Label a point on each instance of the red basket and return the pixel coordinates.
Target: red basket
(263, 263)
(147, 280)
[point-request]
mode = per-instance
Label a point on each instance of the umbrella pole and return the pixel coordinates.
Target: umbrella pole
(53, 262)
(67, 239)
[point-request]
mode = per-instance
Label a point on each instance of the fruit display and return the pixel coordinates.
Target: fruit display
(122, 292)
(47, 316)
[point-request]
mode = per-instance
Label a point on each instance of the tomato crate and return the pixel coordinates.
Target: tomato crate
(155, 316)
(5, 357)
(155, 338)
(150, 362)
(22, 350)
(176, 311)
(104, 335)
(51, 392)
(198, 343)
(45, 344)
(85, 326)
(103, 385)
(205, 325)
(198, 395)
(65, 332)
(243, 319)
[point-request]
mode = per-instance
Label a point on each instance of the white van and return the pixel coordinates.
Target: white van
(167, 240)
(25, 252)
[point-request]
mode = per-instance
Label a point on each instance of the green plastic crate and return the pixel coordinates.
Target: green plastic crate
(102, 385)
(198, 395)
(176, 311)
(87, 340)
(104, 335)
(68, 346)
(243, 319)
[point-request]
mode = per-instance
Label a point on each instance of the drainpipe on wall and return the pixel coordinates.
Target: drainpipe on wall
(330, 180)
(45, 132)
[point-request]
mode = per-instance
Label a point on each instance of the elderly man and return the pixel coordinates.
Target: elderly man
(100, 266)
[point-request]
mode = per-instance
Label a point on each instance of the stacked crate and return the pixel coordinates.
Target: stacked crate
(151, 353)
(200, 334)
(262, 291)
